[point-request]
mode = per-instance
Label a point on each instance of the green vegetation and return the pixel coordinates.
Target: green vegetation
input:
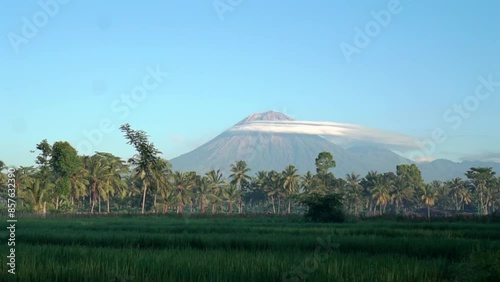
(324, 208)
(64, 182)
(245, 228)
(251, 248)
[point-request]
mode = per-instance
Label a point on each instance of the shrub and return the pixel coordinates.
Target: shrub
(324, 208)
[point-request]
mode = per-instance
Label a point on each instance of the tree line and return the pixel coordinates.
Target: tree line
(63, 181)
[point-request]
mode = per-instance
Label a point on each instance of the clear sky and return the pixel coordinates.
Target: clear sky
(64, 68)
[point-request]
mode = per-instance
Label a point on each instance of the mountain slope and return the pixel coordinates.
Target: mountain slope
(273, 151)
(267, 151)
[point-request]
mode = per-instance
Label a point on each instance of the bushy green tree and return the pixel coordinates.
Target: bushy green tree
(324, 208)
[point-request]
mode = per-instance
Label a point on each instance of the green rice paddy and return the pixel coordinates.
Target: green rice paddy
(169, 248)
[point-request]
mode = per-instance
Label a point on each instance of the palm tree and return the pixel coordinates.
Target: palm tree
(160, 184)
(215, 182)
(182, 182)
(380, 192)
(204, 191)
(483, 179)
(307, 182)
(231, 195)
(442, 192)
(428, 196)
(455, 185)
(98, 171)
(79, 182)
(354, 193)
(464, 196)
(239, 173)
(239, 177)
(262, 182)
(290, 183)
(275, 188)
(403, 190)
(36, 195)
(145, 160)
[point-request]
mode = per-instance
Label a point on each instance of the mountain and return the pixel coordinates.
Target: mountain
(267, 151)
(442, 169)
(274, 151)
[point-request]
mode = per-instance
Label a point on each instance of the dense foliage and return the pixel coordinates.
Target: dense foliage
(324, 208)
(61, 181)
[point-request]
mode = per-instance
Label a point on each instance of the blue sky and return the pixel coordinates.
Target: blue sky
(68, 76)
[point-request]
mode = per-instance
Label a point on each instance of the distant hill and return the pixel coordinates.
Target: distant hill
(274, 151)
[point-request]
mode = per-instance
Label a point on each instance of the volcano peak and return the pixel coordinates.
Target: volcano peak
(265, 116)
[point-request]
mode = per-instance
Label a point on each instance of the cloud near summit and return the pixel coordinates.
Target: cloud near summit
(340, 133)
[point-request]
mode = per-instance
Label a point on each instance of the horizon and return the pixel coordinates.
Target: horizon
(419, 74)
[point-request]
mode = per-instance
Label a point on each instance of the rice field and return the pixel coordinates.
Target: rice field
(170, 248)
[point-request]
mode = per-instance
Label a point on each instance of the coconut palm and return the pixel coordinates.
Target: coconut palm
(160, 184)
(275, 188)
(428, 195)
(36, 194)
(215, 182)
(380, 192)
(203, 192)
(464, 196)
(98, 173)
(182, 183)
(354, 192)
(79, 183)
(307, 182)
(290, 183)
(231, 194)
(484, 181)
(456, 185)
(239, 174)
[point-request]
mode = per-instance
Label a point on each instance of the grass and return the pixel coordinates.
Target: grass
(169, 248)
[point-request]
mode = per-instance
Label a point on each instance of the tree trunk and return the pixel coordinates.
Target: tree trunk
(57, 203)
(99, 204)
(230, 207)
(428, 212)
(44, 208)
(144, 196)
(203, 208)
(213, 208)
(179, 207)
(274, 207)
(154, 204)
(279, 204)
(108, 204)
(289, 206)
